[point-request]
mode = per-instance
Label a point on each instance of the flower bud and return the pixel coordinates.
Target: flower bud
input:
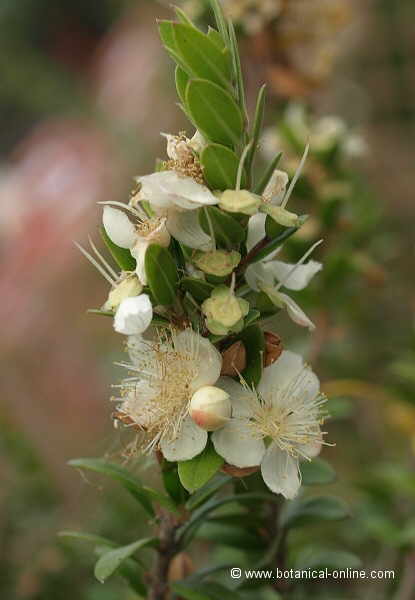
(239, 201)
(224, 311)
(130, 286)
(273, 348)
(133, 315)
(210, 407)
(217, 262)
(234, 359)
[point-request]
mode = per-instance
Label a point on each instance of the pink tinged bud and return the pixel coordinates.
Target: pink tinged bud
(210, 407)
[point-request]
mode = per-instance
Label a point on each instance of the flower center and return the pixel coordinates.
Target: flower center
(146, 227)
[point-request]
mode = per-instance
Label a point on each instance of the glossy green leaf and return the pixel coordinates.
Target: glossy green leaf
(228, 232)
(161, 273)
(317, 472)
(220, 19)
(172, 483)
(196, 472)
(220, 167)
(198, 288)
(237, 70)
(257, 127)
(254, 342)
(122, 256)
(83, 536)
(320, 558)
(204, 591)
(127, 480)
(251, 317)
(262, 183)
(196, 52)
(112, 560)
(182, 79)
(215, 36)
(310, 510)
(273, 244)
(214, 112)
(231, 535)
(209, 489)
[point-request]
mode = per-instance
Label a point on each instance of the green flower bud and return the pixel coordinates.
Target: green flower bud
(217, 262)
(239, 201)
(224, 311)
(130, 286)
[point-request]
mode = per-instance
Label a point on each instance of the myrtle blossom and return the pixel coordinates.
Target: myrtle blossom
(276, 425)
(165, 374)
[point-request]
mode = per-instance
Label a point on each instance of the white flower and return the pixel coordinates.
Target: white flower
(264, 275)
(166, 374)
(127, 287)
(285, 411)
(136, 237)
(133, 315)
(177, 198)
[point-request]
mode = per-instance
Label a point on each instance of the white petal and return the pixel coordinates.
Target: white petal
(296, 313)
(167, 188)
(311, 449)
(139, 253)
(275, 189)
(241, 398)
(280, 472)
(280, 373)
(234, 442)
(209, 360)
(133, 315)
(190, 442)
(259, 275)
(300, 278)
(256, 230)
(185, 228)
(118, 227)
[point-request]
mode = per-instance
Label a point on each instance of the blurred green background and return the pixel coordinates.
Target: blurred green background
(85, 91)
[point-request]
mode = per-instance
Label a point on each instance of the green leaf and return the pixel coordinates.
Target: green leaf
(228, 232)
(204, 591)
(214, 112)
(273, 244)
(309, 510)
(182, 79)
(111, 561)
(317, 472)
(196, 472)
(220, 167)
(237, 69)
(251, 317)
(216, 37)
(209, 489)
(198, 288)
(254, 342)
(321, 558)
(262, 183)
(220, 20)
(130, 483)
(183, 18)
(172, 483)
(161, 273)
(196, 53)
(122, 256)
(231, 535)
(83, 536)
(256, 130)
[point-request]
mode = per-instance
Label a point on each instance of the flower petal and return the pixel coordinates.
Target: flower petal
(296, 313)
(240, 397)
(259, 275)
(118, 227)
(139, 253)
(185, 228)
(280, 373)
(190, 442)
(312, 449)
(234, 442)
(280, 472)
(256, 230)
(300, 278)
(133, 315)
(209, 360)
(166, 188)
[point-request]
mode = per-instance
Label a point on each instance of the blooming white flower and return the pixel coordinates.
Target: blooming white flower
(264, 275)
(135, 236)
(286, 411)
(177, 197)
(133, 315)
(166, 374)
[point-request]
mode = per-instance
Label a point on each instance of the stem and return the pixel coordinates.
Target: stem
(252, 253)
(167, 549)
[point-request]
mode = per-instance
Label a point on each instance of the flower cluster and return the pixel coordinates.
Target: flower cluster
(199, 246)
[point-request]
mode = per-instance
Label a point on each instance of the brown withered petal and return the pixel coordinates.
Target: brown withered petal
(180, 567)
(234, 359)
(237, 472)
(125, 419)
(273, 348)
